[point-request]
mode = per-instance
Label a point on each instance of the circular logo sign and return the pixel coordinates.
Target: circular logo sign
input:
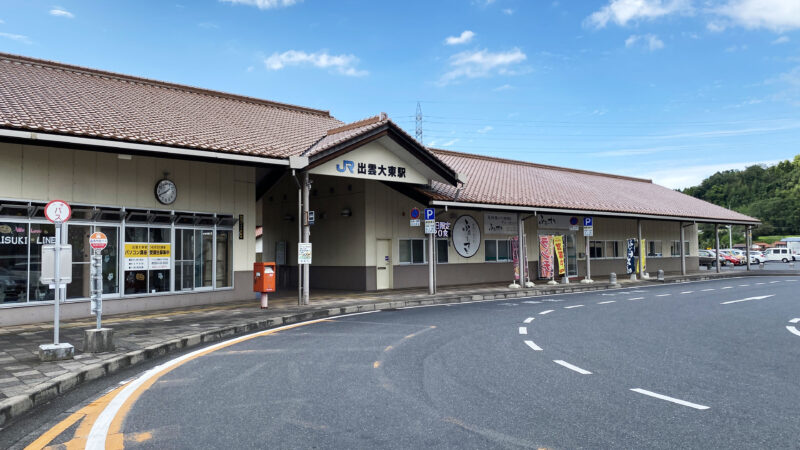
(415, 213)
(466, 236)
(57, 211)
(98, 240)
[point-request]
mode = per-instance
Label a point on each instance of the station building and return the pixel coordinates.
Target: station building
(189, 174)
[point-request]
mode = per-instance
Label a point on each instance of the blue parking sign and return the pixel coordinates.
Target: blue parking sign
(587, 221)
(429, 214)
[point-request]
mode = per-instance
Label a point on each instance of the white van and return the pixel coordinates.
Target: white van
(778, 254)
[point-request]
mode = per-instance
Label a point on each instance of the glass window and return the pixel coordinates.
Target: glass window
(13, 262)
(203, 258)
(405, 251)
(596, 249)
(503, 250)
(442, 246)
(224, 258)
(612, 249)
(147, 260)
(41, 234)
(491, 250)
(412, 251)
(654, 248)
(110, 261)
(78, 237)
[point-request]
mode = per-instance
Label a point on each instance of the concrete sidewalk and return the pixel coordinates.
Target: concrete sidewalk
(26, 382)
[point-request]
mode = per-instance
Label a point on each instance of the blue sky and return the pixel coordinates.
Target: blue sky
(672, 90)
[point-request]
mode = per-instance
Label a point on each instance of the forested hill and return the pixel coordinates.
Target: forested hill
(771, 194)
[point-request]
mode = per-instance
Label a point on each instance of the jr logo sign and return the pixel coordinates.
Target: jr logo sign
(346, 165)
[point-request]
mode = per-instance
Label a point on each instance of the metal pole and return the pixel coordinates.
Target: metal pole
(588, 264)
(306, 234)
(431, 275)
(683, 252)
(730, 236)
(97, 281)
(299, 240)
(747, 238)
(57, 281)
(716, 238)
(641, 247)
(521, 250)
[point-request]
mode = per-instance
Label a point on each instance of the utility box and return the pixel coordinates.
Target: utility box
(264, 277)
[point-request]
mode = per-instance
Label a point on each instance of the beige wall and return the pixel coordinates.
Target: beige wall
(39, 173)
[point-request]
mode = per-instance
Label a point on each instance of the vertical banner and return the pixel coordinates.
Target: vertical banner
(545, 257)
(558, 243)
(630, 256)
(515, 255)
(642, 253)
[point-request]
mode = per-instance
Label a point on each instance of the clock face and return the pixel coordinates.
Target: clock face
(166, 192)
(466, 236)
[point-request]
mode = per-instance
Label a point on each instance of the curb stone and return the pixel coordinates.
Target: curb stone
(16, 406)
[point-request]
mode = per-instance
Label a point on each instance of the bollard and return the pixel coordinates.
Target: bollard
(612, 278)
(761, 265)
(660, 275)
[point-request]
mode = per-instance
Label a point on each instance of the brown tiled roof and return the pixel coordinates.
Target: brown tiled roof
(515, 183)
(346, 132)
(51, 97)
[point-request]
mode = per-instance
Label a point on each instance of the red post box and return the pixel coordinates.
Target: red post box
(264, 280)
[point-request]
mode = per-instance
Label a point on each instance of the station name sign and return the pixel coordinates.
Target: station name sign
(371, 169)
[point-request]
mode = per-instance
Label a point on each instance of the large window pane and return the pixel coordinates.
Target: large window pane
(441, 250)
(224, 258)
(40, 234)
(503, 251)
(405, 251)
(491, 250)
(78, 237)
(418, 251)
(204, 242)
(612, 249)
(110, 260)
(13, 262)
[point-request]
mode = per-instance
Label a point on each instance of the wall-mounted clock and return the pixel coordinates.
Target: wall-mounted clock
(166, 192)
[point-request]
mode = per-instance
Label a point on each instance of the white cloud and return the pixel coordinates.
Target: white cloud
(736, 48)
(781, 40)
(650, 41)
(463, 38)
(485, 129)
(482, 63)
(61, 12)
(508, 11)
(686, 176)
(342, 64)
(775, 15)
(449, 143)
(208, 25)
(16, 37)
(715, 27)
(504, 87)
(264, 4)
(623, 11)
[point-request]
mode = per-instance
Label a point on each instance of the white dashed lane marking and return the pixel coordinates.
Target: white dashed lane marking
(545, 312)
(573, 306)
(663, 295)
(533, 346)
(670, 399)
(687, 292)
(531, 302)
(528, 320)
(771, 282)
(728, 287)
(523, 330)
(636, 298)
(706, 290)
(762, 297)
(792, 329)
(571, 367)
(761, 283)
(744, 285)
(606, 302)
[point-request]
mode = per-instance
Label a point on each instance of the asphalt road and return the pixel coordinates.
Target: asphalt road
(668, 366)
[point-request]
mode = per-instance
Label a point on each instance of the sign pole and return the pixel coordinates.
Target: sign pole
(57, 282)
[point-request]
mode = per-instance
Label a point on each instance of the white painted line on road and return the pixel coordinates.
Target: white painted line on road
(771, 282)
(523, 330)
(793, 330)
(508, 304)
(687, 292)
(761, 283)
(795, 320)
(533, 346)
(663, 295)
(728, 287)
(573, 306)
(670, 399)
(571, 367)
(706, 290)
(789, 281)
(607, 302)
(636, 298)
(528, 320)
(545, 312)
(637, 292)
(744, 285)
(761, 297)
(531, 302)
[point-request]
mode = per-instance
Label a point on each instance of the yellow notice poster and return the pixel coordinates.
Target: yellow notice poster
(144, 256)
(558, 243)
(159, 256)
(643, 251)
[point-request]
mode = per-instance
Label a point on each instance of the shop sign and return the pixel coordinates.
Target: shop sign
(630, 256)
(466, 236)
(545, 257)
(369, 168)
(373, 162)
(443, 229)
(144, 256)
(553, 222)
(558, 244)
(500, 223)
(304, 253)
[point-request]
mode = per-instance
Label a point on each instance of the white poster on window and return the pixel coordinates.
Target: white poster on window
(136, 256)
(500, 223)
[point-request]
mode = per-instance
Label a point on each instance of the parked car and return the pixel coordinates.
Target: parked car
(757, 257)
(732, 256)
(779, 254)
(709, 259)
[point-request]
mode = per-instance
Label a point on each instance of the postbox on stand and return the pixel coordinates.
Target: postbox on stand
(264, 280)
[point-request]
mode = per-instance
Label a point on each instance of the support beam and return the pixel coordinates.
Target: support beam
(306, 235)
(521, 256)
(683, 252)
(716, 248)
